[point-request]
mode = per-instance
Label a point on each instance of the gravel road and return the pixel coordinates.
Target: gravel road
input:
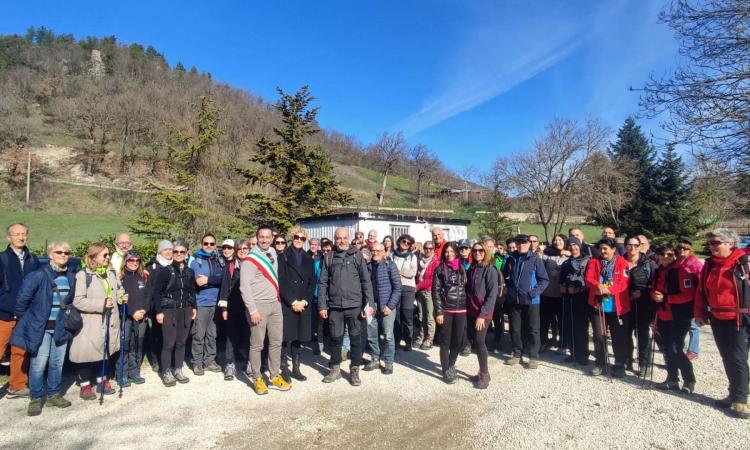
(554, 406)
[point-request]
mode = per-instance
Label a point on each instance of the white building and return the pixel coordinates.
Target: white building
(385, 224)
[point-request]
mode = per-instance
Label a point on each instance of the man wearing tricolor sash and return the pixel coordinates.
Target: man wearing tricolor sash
(259, 285)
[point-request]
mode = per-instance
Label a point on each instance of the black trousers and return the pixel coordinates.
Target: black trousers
(673, 333)
(135, 334)
(550, 312)
(642, 315)
(153, 342)
(403, 329)
(579, 323)
(236, 335)
(175, 331)
(498, 324)
(89, 372)
(524, 328)
(733, 346)
(339, 318)
(618, 329)
(452, 339)
(477, 339)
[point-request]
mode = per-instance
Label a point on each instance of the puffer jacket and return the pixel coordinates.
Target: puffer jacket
(344, 280)
(482, 289)
(386, 284)
(449, 290)
(173, 288)
(722, 292)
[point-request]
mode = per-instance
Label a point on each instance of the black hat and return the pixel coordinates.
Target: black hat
(522, 238)
(574, 241)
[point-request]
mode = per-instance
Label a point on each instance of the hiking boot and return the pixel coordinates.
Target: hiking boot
(58, 401)
(87, 393)
(629, 367)
(725, 402)
(688, 387)
(407, 346)
(512, 361)
(334, 373)
(388, 369)
(213, 367)
(286, 374)
(596, 371)
(668, 386)
(426, 344)
(692, 356)
(354, 376)
(260, 386)
(168, 379)
(35, 407)
(483, 381)
(229, 372)
(106, 387)
(137, 379)
(418, 341)
(18, 393)
(198, 370)
(297, 374)
(466, 351)
(155, 367)
(125, 382)
(372, 365)
(279, 383)
(180, 377)
(740, 410)
(532, 364)
(450, 376)
(618, 371)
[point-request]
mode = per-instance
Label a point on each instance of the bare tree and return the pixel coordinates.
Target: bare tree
(549, 176)
(607, 188)
(707, 98)
(388, 150)
(424, 163)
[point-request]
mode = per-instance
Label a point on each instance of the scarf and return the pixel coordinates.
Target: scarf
(298, 252)
(453, 264)
(204, 254)
(397, 252)
(101, 272)
(164, 262)
(56, 268)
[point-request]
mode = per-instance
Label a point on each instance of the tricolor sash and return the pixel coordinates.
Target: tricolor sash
(266, 268)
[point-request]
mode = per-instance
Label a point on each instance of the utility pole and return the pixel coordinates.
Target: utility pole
(28, 178)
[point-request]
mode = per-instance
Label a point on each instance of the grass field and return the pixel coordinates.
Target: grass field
(73, 228)
(592, 233)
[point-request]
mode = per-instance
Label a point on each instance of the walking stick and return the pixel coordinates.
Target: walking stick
(105, 355)
(573, 327)
(650, 357)
(121, 380)
(603, 331)
(562, 327)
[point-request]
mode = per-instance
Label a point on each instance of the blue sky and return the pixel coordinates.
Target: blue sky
(473, 80)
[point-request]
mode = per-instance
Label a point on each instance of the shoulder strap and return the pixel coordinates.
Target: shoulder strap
(4, 263)
(89, 278)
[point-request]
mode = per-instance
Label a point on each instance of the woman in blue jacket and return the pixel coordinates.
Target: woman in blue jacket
(40, 331)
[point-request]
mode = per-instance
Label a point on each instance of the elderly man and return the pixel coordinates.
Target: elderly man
(15, 263)
(586, 249)
(372, 238)
(386, 287)
(344, 298)
(123, 244)
(259, 286)
(438, 238)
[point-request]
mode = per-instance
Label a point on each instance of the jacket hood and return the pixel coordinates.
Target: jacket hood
(729, 260)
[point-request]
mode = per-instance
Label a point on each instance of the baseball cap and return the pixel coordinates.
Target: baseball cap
(228, 243)
(464, 243)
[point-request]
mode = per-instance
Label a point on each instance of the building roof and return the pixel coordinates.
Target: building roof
(380, 216)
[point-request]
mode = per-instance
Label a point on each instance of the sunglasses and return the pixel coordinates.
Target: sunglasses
(668, 255)
(60, 252)
(209, 244)
(299, 238)
(478, 250)
(227, 247)
(714, 243)
(180, 252)
(279, 243)
(135, 260)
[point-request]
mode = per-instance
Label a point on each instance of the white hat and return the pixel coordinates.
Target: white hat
(228, 242)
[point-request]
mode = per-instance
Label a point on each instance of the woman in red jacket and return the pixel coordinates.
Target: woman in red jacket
(723, 299)
(674, 293)
(607, 280)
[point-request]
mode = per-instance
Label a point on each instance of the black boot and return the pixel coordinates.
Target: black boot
(296, 374)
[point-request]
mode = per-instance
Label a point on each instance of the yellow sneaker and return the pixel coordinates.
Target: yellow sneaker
(280, 384)
(260, 387)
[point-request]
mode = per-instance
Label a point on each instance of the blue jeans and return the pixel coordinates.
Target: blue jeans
(695, 338)
(373, 336)
(51, 353)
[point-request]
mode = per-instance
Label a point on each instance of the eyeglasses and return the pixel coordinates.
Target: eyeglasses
(297, 237)
(180, 252)
(429, 248)
(133, 260)
(60, 252)
(227, 247)
(478, 250)
(209, 244)
(714, 243)
(279, 243)
(123, 243)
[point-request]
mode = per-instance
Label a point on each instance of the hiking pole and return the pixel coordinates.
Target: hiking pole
(603, 331)
(105, 355)
(562, 327)
(121, 379)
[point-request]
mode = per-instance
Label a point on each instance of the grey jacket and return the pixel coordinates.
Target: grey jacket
(344, 280)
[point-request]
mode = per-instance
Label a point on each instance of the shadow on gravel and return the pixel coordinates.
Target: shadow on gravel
(419, 362)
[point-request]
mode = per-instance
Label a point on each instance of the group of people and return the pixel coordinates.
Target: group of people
(261, 298)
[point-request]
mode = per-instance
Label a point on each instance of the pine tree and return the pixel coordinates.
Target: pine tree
(290, 179)
(494, 224)
(676, 214)
(632, 146)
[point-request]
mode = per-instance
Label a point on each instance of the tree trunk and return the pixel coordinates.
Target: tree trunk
(382, 190)
(419, 192)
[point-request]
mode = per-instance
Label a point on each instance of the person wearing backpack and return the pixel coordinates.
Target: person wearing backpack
(482, 291)
(153, 341)
(406, 263)
(97, 293)
(723, 300)
(16, 262)
(208, 268)
(386, 288)
(44, 295)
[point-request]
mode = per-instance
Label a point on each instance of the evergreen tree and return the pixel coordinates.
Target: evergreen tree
(179, 67)
(633, 147)
(290, 179)
(494, 224)
(676, 215)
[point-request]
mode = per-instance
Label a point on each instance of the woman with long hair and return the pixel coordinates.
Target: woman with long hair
(482, 288)
(388, 244)
(406, 263)
(449, 295)
(135, 281)
(232, 309)
(550, 311)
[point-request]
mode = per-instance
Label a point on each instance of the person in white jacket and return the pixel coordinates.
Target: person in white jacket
(406, 263)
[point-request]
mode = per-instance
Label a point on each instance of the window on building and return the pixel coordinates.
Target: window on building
(398, 230)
